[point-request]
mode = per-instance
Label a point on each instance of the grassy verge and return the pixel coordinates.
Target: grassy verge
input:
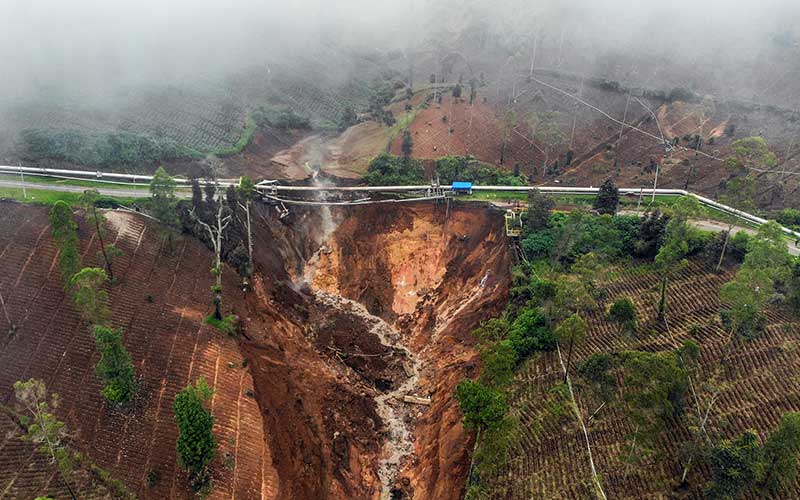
(37, 179)
(45, 197)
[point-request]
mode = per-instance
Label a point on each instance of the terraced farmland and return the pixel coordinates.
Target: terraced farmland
(159, 300)
(760, 383)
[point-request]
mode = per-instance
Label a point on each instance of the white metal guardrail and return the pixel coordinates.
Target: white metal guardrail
(273, 186)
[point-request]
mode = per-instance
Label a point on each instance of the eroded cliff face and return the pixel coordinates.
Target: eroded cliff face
(343, 324)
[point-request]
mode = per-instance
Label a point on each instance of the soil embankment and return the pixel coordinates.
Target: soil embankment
(348, 314)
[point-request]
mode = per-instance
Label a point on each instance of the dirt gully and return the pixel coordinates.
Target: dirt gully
(353, 310)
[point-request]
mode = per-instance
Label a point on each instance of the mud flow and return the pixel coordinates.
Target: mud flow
(360, 328)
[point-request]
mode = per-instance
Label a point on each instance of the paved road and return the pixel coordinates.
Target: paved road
(708, 225)
(67, 188)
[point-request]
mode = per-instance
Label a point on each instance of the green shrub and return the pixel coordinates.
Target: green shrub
(100, 150)
(530, 333)
(115, 366)
(386, 170)
(196, 443)
(483, 407)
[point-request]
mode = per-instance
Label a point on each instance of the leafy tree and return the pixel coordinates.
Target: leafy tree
(734, 466)
(499, 360)
(196, 444)
(65, 233)
(89, 295)
(43, 428)
(571, 331)
(780, 452)
(539, 207)
(568, 233)
(739, 194)
(483, 408)
(386, 169)
(162, 192)
(596, 370)
(457, 91)
(671, 257)
(347, 119)
(623, 313)
(492, 330)
(407, 144)
(766, 265)
(89, 202)
(530, 333)
(751, 153)
(115, 366)
(607, 199)
(652, 230)
(655, 386)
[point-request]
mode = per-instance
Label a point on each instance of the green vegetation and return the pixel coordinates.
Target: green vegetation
(386, 170)
(469, 169)
(115, 367)
(607, 200)
(283, 118)
(43, 428)
(671, 257)
(196, 444)
(623, 313)
(228, 324)
(90, 298)
(734, 466)
(65, 234)
(100, 150)
(88, 201)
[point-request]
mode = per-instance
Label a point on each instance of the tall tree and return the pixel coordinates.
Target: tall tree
(571, 331)
(607, 199)
(751, 153)
(780, 453)
(767, 264)
(216, 230)
(44, 429)
(539, 207)
(65, 234)
(115, 366)
(408, 143)
(671, 257)
(196, 444)
(734, 466)
(739, 194)
(96, 218)
(162, 193)
(89, 296)
(248, 193)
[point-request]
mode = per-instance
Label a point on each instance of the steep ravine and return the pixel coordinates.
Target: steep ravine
(341, 329)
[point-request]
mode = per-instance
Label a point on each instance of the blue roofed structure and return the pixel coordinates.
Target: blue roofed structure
(461, 187)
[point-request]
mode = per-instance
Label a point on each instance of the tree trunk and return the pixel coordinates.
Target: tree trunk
(569, 357)
(249, 238)
(724, 247)
(662, 302)
(103, 246)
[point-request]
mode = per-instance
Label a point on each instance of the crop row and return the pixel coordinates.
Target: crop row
(160, 299)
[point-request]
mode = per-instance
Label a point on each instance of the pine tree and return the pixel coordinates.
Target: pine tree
(607, 200)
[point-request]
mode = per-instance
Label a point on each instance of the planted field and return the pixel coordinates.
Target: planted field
(758, 385)
(159, 300)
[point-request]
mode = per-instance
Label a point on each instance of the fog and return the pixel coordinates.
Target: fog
(87, 48)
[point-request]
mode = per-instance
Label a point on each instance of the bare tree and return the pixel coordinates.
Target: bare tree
(216, 232)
